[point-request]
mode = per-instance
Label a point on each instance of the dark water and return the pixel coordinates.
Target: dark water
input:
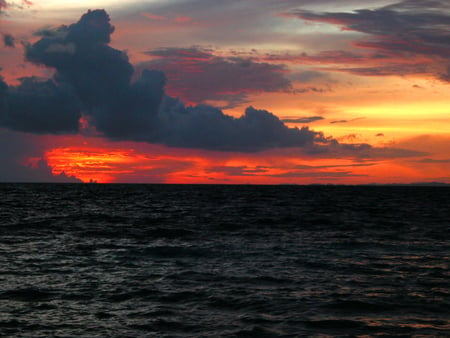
(211, 261)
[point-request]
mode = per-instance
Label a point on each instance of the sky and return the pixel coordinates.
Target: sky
(234, 92)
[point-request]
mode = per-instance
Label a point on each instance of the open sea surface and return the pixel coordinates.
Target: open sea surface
(224, 261)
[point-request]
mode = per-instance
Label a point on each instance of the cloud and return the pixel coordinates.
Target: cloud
(3, 6)
(445, 76)
(431, 160)
(392, 69)
(308, 76)
(190, 72)
(439, 144)
(328, 56)
(93, 82)
(39, 107)
(347, 121)
(306, 119)
(288, 170)
(309, 167)
(99, 76)
(318, 174)
(360, 151)
(22, 160)
(237, 170)
(414, 30)
(206, 127)
(8, 40)
(153, 16)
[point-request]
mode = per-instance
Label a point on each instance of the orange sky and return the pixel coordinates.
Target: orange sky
(355, 76)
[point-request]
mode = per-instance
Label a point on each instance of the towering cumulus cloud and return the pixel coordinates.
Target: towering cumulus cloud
(95, 80)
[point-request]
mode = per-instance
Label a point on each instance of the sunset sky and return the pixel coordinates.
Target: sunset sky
(204, 91)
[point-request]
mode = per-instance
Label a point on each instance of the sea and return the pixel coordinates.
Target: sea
(113, 260)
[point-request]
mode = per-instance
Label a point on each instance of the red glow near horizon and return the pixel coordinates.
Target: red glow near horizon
(91, 164)
(128, 162)
(105, 165)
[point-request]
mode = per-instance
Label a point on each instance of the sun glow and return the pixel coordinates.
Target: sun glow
(92, 164)
(162, 165)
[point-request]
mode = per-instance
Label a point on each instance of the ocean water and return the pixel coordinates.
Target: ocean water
(224, 261)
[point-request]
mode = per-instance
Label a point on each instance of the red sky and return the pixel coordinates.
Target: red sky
(366, 84)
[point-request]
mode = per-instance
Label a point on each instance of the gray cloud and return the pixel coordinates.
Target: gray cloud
(347, 121)
(307, 75)
(405, 29)
(208, 128)
(3, 6)
(190, 73)
(8, 40)
(99, 77)
(445, 76)
(38, 106)
(431, 160)
(290, 171)
(318, 174)
(306, 119)
(308, 167)
(237, 170)
(94, 80)
(16, 148)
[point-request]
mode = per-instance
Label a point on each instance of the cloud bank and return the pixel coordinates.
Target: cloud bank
(191, 70)
(407, 37)
(94, 80)
(96, 83)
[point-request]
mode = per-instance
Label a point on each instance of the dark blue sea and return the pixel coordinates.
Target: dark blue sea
(96, 260)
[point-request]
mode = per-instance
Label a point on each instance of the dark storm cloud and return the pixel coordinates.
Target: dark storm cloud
(94, 80)
(197, 75)
(209, 128)
(99, 76)
(306, 119)
(408, 28)
(39, 107)
(8, 40)
(40, 172)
